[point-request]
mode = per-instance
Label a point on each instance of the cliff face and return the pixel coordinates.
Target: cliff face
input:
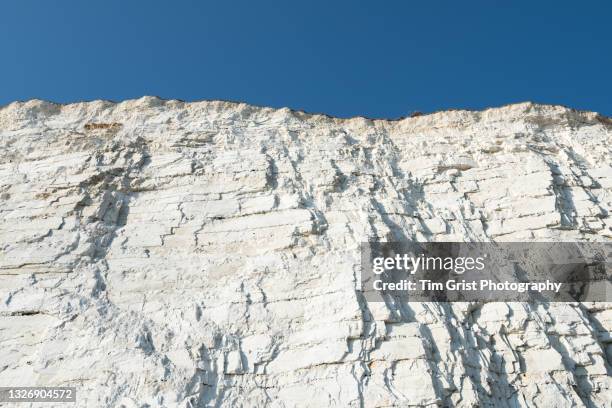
(168, 253)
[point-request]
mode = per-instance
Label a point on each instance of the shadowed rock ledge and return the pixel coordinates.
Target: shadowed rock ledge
(168, 254)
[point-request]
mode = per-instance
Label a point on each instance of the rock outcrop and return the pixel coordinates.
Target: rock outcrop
(160, 253)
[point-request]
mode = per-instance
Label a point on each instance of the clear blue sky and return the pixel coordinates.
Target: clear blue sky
(381, 58)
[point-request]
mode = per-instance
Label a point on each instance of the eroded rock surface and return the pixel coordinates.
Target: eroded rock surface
(160, 253)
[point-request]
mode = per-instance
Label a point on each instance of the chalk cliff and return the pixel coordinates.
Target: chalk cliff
(168, 254)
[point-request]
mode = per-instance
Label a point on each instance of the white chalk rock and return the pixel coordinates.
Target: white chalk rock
(161, 253)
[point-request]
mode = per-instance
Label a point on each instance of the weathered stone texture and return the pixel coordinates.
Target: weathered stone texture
(160, 253)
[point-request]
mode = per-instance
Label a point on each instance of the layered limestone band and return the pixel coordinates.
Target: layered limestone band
(505, 272)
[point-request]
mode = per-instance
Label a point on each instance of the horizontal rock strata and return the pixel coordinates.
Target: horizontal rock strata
(168, 254)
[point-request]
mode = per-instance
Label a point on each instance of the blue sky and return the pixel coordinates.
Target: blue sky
(377, 59)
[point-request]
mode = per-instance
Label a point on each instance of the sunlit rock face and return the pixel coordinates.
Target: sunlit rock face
(167, 254)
